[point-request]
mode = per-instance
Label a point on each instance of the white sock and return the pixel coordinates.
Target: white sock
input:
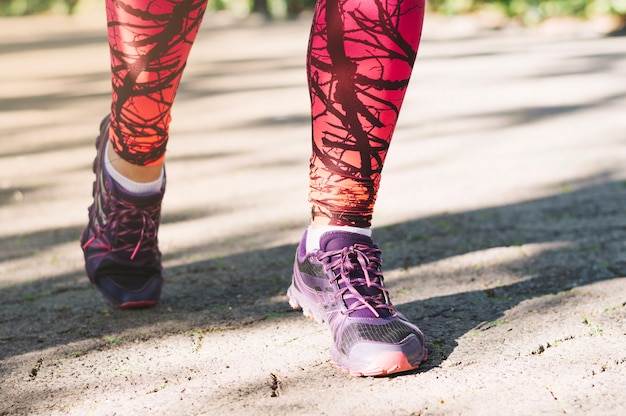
(136, 188)
(314, 233)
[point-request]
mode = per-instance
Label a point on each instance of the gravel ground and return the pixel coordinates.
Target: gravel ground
(501, 217)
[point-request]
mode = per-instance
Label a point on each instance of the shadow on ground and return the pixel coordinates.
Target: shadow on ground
(583, 232)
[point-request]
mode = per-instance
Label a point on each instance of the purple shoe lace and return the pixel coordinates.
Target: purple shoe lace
(357, 271)
(124, 217)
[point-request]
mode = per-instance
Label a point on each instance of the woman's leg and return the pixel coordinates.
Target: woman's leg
(149, 44)
(361, 54)
(150, 41)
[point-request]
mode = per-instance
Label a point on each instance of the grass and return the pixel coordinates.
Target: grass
(558, 218)
(435, 346)
(122, 370)
(613, 308)
(594, 330)
(557, 342)
(218, 307)
(446, 225)
(33, 298)
(273, 315)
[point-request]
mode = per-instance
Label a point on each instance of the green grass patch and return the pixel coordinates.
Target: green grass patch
(274, 315)
(613, 308)
(35, 297)
(594, 330)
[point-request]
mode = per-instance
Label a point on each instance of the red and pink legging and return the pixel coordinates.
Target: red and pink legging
(360, 58)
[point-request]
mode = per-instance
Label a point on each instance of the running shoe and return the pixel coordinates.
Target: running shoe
(342, 285)
(122, 257)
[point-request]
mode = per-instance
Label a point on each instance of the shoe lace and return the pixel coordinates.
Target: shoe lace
(136, 228)
(358, 267)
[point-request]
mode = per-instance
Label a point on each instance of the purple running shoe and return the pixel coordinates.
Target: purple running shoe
(342, 285)
(122, 257)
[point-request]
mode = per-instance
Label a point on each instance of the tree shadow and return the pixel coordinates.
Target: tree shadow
(247, 285)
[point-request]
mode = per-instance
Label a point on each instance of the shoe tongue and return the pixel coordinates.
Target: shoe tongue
(337, 240)
(140, 201)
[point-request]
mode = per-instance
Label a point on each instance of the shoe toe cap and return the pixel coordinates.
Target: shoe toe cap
(130, 291)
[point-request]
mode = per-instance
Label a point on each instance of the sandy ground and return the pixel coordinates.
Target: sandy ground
(501, 216)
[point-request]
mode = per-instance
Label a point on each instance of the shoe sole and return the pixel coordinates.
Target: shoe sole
(143, 304)
(384, 364)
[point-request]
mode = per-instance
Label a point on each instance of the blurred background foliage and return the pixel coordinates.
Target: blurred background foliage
(532, 11)
(528, 12)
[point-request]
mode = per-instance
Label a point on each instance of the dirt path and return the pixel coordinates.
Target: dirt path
(501, 216)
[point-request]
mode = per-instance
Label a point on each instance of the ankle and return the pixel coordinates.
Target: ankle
(135, 173)
(139, 181)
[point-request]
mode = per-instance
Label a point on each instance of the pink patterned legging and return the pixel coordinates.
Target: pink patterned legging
(360, 58)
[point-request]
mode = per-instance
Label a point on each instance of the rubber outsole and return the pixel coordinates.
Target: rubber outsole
(385, 364)
(144, 304)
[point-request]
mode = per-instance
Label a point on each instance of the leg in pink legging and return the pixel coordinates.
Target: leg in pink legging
(361, 54)
(150, 41)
